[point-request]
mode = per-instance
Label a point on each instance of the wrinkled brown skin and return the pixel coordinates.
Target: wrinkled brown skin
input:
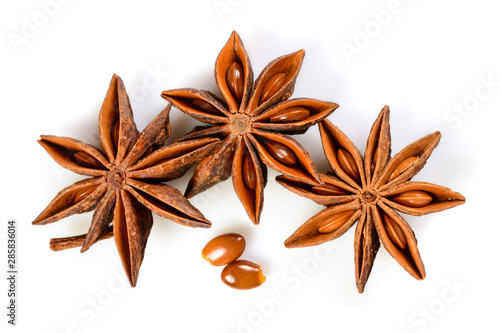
(126, 184)
(63, 243)
(370, 197)
(242, 122)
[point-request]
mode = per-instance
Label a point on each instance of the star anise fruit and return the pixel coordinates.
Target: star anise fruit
(126, 184)
(251, 122)
(370, 190)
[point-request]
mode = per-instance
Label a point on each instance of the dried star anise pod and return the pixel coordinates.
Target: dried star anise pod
(370, 190)
(126, 180)
(251, 122)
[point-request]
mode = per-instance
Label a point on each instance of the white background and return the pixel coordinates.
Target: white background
(429, 61)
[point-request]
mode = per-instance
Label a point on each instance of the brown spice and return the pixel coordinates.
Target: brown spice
(252, 122)
(126, 180)
(370, 190)
(224, 249)
(242, 274)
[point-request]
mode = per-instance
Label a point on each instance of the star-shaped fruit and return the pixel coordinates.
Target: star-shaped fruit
(370, 190)
(126, 180)
(251, 121)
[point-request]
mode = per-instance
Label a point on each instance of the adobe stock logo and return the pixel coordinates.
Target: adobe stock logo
(222, 7)
(456, 114)
(371, 29)
(95, 304)
(32, 25)
(427, 314)
(292, 279)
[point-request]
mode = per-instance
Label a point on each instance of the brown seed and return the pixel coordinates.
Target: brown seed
(205, 106)
(281, 153)
(328, 189)
(394, 231)
(348, 164)
(413, 198)
(224, 249)
(248, 172)
(291, 114)
(334, 221)
(85, 160)
(272, 86)
(235, 80)
(83, 193)
(402, 167)
(242, 274)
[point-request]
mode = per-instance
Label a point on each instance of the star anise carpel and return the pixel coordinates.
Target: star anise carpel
(252, 121)
(371, 189)
(126, 180)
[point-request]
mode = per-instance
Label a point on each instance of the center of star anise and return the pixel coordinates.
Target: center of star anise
(369, 196)
(116, 177)
(240, 124)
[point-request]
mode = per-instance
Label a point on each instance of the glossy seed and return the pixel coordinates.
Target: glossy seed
(235, 80)
(328, 189)
(205, 107)
(115, 134)
(289, 115)
(394, 231)
(413, 198)
(242, 274)
(402, 167)
(348, 164)
(272, 86)
(334, 221)
(281, 153)
(83, 193)
(248, 172)
(85, 160)
(224, 249)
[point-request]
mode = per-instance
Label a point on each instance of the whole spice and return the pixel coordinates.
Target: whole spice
(370, 190)
(251, 123)
(126, 184)
(224, 249)
(242, 274)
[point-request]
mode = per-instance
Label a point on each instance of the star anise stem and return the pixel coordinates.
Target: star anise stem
(63, 243)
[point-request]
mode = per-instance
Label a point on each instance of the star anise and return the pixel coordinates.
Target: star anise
(370, 190)
(251, 122)
(126, 180)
